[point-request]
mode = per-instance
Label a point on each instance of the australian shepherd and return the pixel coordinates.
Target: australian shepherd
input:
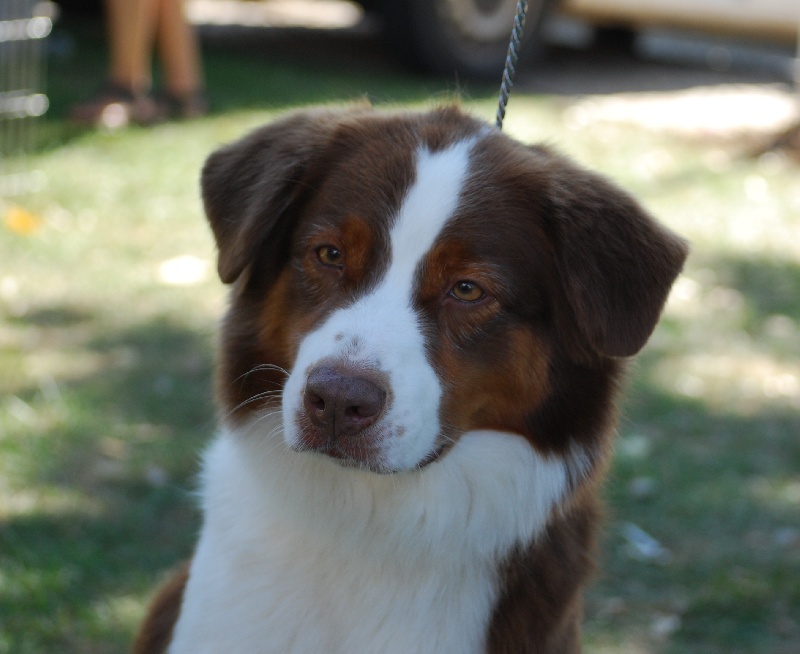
(428, 326)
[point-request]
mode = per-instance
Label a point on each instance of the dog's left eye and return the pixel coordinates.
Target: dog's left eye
(467, 291)
(330, 255)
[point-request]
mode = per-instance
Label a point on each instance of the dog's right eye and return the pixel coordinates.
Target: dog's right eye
(330, 255)
(467, 291)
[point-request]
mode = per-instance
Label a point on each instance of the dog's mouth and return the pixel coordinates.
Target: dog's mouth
(360, 459)
(365, 458)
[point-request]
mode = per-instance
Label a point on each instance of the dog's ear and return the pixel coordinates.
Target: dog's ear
(250, 184)
(616, 263)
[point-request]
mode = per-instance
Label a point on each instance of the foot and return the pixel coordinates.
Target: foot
(193, 104)
(114, 107)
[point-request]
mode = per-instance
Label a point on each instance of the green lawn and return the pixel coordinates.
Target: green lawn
(106, 358)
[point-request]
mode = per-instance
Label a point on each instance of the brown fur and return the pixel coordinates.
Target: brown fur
(540, 611)
(575, 273)
(156, 631)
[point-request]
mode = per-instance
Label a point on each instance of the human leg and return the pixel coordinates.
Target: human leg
(180, 58)
(131, 32)
(124, 98)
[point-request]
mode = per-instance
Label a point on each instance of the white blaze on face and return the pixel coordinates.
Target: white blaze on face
(381, 329)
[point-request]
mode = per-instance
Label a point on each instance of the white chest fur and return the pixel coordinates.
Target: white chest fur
(298, 554)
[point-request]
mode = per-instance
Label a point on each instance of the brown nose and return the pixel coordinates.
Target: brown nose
(340, 403)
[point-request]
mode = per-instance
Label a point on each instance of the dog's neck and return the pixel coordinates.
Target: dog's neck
(490, 493)
(417, 554)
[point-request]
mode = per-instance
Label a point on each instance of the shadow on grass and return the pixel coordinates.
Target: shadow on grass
(719, 495)
(770, 287)
(60, 316)
(715, 482)
(109, 464)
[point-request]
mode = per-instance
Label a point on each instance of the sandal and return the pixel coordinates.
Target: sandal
(193, 104)
(115, 106)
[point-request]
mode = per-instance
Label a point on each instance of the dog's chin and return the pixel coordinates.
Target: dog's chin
(370, 463)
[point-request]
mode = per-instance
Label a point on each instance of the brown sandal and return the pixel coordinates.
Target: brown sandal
(193, 104)
(114, 107)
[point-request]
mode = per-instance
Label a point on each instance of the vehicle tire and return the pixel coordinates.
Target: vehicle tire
(464, 37)
(619, 39)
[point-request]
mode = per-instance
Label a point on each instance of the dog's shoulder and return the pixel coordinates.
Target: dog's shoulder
(155, 631)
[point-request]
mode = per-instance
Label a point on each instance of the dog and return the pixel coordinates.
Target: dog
(428, 327)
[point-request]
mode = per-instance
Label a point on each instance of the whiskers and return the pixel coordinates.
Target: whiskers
(258, 397)
(264, 396)
(261, 367)
(270, 439)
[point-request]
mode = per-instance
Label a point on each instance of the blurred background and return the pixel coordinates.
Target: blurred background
(109, 299)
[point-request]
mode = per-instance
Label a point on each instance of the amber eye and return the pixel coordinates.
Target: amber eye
(329, 255)
(467, 291)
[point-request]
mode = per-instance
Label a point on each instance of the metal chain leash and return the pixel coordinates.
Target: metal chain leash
(509, 70)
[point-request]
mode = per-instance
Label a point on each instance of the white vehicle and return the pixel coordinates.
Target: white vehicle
(760, 19)
(471, 36)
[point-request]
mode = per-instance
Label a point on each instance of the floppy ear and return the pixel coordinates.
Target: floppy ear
(250, 184)
(616, 263)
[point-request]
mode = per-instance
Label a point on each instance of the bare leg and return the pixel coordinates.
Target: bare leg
(134, 27)
(178, 50)
(131, 31)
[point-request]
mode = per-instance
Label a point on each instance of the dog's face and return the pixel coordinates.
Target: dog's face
(402, 280)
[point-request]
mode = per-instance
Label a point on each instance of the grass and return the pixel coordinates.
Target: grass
(105, 367)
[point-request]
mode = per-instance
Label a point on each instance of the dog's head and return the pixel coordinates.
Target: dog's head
(401, 280)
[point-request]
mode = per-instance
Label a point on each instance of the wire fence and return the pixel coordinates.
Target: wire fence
(24, 28)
